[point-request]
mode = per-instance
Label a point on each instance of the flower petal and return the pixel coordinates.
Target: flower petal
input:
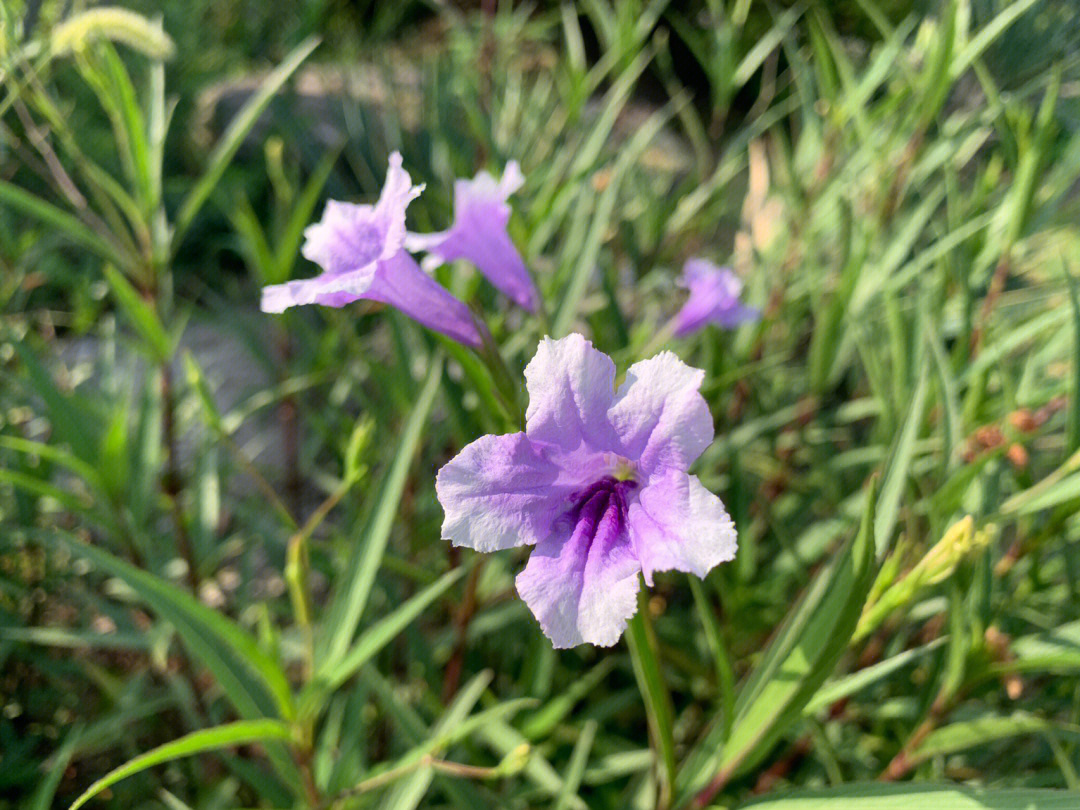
(677, 524)
(351, 236)
(500, 492)
(328, 289)
(714, 298)
(571, 386)
(400, 282)
(398, 191)
(347, 237)
(660, 416)
(479, 236)
(581, 582)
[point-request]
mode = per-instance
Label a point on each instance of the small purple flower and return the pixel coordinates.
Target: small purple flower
(714, 298)
(360, 249)
(479, 235)
(598, 483)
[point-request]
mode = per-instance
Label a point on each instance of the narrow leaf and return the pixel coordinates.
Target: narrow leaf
(363, 566)
(241, 732)
(234, 137)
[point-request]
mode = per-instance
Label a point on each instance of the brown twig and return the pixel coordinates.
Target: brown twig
(997, 287)
(454, 666)
(171, 481)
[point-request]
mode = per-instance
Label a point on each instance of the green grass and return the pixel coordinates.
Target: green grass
(232, 633)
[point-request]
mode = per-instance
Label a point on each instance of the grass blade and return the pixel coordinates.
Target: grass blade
(234, 136)
(253, 680)
(350, 601)
(940, 797)
(241, 732)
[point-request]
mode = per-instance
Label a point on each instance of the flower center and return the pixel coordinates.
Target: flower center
(602, 505)
(365, 242)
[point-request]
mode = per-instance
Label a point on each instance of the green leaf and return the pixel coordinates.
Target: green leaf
(46, 790)
(899, 464)
(544, 720)
(73, 418)
(415, 732)
(374, 639)
(56, 455)
(801, 656)
(1067, 489)
(725, 675)
(579, 758)
(300, 215)
(130, 119)
(69, 225)
(1056, 651)
(363, 566)
(234, 135)
(241, 732)
(408, 793)
(857, 681)
(966, 734)
(650, 680)
(1072, 435)
(253, 681)
(905, 797)
(141, 314)
(986, 36)
(586, 255)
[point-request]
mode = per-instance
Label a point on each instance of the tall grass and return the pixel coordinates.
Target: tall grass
(183, 624)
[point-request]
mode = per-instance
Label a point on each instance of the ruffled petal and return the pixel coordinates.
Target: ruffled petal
(328, 289)
(581, 582)
(660, 416)
(479, 236)
(677, 524)
(347, 237)
(500, 492)
(399, 282)
(713, 298)
(397, 193)
(571, 386)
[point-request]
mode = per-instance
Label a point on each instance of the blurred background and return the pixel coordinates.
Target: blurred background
(895, 182)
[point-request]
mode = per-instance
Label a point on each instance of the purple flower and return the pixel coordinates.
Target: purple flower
(714, 298)
(479, 235)
(598, 483)
(360, 249)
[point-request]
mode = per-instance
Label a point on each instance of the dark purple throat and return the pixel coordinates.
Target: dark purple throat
(602, 502)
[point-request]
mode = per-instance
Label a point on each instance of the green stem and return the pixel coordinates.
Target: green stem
(658, 711)
(724, 672)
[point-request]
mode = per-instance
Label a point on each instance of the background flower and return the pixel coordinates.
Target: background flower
(714, 298)
(479, 235)
(360, 249)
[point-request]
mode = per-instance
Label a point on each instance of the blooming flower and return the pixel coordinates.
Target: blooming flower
(479, 235)
(714, 298)
(360, 249)
(598, 483)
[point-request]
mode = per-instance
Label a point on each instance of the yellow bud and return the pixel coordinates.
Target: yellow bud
(515, 761)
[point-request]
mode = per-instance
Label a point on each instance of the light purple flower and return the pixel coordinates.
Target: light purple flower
(360, 249)
(714, 298)
(479, 235)
(598, 483)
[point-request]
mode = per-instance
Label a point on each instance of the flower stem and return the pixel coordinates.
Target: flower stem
(641, 642)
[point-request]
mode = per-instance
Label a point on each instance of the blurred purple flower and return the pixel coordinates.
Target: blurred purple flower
(598, 483)
(479, 235)
(360, 249)
(714, 298)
